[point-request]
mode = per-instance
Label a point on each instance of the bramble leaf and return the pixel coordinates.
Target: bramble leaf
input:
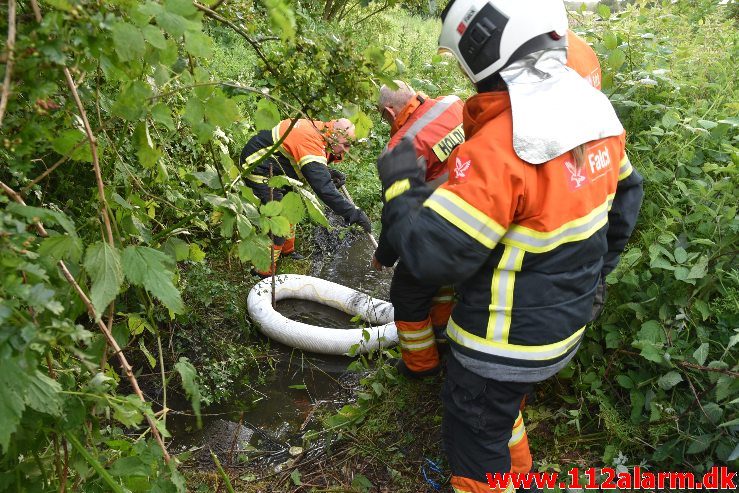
(190, 384)
(103, 263)
(151, 269)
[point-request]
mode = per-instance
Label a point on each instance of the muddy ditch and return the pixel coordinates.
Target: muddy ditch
(262, 428)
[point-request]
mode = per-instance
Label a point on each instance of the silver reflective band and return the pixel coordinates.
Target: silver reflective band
(431, 115)
(554, 109)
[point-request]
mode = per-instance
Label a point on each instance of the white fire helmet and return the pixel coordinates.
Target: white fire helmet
(487, 35)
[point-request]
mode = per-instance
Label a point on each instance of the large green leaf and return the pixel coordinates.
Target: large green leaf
(154, 36)
(12, 383)
(152, 270)
(221, 111)
(190, 384)
(73, 143)
(128, 41)
(198, 44)
(132, 101)
(43, 215)
(267, 115)
(103, 263)
(362, 124)
(293, 208)
(282, 17)
(42, 394)
(62, 247)
(175, 24)
(315, 211)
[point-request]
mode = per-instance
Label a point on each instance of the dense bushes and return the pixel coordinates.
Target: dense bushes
(658, 371)
(662, 360)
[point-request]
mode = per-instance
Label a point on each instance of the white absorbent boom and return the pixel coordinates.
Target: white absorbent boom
(317, 339)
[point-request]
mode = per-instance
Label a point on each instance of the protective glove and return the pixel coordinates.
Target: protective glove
(337, 177)
(398, 164)
(360, 218)
(600, 298)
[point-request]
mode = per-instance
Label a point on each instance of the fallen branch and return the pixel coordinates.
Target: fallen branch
(103, 328)
(10, 45)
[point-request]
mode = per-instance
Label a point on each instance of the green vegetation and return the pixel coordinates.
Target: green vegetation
(149, 232)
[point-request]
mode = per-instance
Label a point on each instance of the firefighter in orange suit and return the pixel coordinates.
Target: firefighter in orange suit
(421, 309)
(304, 154)
(540, 202)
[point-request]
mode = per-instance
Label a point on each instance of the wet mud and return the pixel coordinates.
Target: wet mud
(265, 427)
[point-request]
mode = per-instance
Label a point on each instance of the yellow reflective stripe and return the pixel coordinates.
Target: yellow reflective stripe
(625, 168)
(312, 158)
(539, 242)
(515, 351)
(416, 334)
(466, 217)
(396, 189)
(257, 178)
(517, 436)
(501, 293)
(254, 157)
(417, 346)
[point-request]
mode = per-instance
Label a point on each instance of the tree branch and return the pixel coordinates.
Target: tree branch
(98, 321)
(94, 150)
(254, 44)
(10, 45)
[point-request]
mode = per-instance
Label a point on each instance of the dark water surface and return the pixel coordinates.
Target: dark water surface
(279, 405)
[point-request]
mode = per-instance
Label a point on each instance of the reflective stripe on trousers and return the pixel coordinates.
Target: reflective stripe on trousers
(418, 345)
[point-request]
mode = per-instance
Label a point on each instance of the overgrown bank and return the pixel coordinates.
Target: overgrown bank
(655, 383)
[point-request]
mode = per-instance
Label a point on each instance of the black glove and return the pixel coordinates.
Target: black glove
(360, 218)
(600, 298)
(399, 163)
(337, 177)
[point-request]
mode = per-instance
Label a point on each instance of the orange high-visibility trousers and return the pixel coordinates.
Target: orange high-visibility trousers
(441, 307)
(418, 345)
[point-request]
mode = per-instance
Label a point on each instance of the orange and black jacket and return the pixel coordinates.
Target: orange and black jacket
(525, 245)
(301, 156)
(435, 125)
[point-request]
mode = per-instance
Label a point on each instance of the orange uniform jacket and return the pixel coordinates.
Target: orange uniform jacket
(525, 245)
(435, 125)
(301, 156)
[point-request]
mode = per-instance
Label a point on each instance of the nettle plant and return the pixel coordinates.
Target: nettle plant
(117, 144)
(660, 366)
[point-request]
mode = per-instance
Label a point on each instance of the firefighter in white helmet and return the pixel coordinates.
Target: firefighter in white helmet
(540, 202)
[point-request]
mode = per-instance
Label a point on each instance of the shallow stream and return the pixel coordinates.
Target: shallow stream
(267, 424)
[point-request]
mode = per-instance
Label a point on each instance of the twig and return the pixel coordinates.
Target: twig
(54, 166)
(254, 44)
(10, 45)
(94, 150)
(103, 328)
(686, 364)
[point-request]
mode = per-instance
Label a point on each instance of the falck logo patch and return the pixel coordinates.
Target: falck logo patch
(462, 27)
(576, 178)
(461, 168)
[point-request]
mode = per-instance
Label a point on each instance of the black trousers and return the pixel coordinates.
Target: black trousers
(410, 297)
(479, 414)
